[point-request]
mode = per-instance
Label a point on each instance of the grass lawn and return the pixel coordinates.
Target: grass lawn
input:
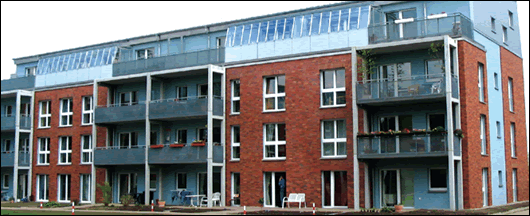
(28, 204)
(27, 212)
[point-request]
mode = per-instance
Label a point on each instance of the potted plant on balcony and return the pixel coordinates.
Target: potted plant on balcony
(363, 134)
(398, 207)
(161, 203)
(198, 143)
(459, 133)
(439, 129)
(419, 131)
(159, 146)
(177, 144)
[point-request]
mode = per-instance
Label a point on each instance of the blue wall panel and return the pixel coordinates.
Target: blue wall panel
(21, 68)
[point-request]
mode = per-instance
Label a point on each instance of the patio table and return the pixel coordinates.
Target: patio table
(198, 197)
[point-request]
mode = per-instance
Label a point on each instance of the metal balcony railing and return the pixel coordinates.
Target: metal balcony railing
(454, 25)
(27, 82)
(403, 145)
(8, 122)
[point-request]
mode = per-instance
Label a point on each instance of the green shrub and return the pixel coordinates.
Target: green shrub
(107, 195)
(387, 210)
(126, 200)
(52, 204)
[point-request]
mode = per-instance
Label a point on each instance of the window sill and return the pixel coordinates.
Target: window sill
(512, 28)
(438, 191)
(234, 114)
(44, 127)
(484, 155)
(65, 126)
(512, 112)
(496, 88)
(500, 186)
(334, 106)
(273, 159)
(234, 161)
(494, 32)
(514, 157)
(498, 137)
(334, 158)
(273, 111)
(64, 164)
(43, 165)
(483, 102)
(85, 164)
(85, 125)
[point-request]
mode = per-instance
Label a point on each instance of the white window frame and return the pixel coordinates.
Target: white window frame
(235, 144)
(69, 113)
(130, 140)
(90, 112)
(30, 71)
(4, 181)
(39, 178)
(232, 188)
(483, 141)
(45, 153)
(438, 189)
(131, 102)
(234, 98)
(177, 180)
(89, 178)
(512, 140)
(4, 146)
(514, 184)
(178, 93)
(45, 116)
(275, 143)
(89, 150)
(334, 140)
(275, 95)
(178, 138)
(333, 90)
(68, 150)
(199, 91)
(510, 94)
(485, 190)
(146, 53)
(332, 188)
(481, 82)
(67, 192)
(8, 108)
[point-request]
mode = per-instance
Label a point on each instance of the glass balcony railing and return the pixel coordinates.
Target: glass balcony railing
(403, 145)
(184, 107)
(454, 25)
(8, 122)
(118, 113)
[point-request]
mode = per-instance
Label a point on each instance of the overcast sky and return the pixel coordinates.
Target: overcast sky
(30, 28)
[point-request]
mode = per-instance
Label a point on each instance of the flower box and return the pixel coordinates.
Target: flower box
(198, 143)
(177, 145)
(156, 146)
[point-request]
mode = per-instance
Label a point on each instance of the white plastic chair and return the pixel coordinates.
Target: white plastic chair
(299, 198)
(216, 198)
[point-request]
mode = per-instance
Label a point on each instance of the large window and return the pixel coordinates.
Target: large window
(6, 146)
(65, 150)
(129, 98)
(334, 138)
(481, 82)
(434, 68)
(85, 188)
(129, 140)
(510, 93)
(274, 93)
(332, 87)
(86, 149)
(235, 97)
(236, 192)
(512, 139)
(145, 53)
(43, 192)
(438, 179)
(5, 181)
(483, 134)
(63, 189)
(30, 71)
(274, 146)
(235, 143)
(182, 93)
(182, 181)
(485, 181)
(67, 112)
(88, 111)
(182, 136)
(43, 153)
(45, 114)
(335, 189)
(8, 111)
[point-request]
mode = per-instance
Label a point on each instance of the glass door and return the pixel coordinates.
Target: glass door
(23, 185)
(123, 185)
(407, 187)
(390, 188)
(387, 78)
(272, 189)
(203, 184)
(335, 189)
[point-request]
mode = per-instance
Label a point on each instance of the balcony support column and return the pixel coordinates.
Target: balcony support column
(366, 187)
(147, 140)
(356, 186)
(223, 139)
(210, 137)
(17, 143)
(31, 114)
(449, 122)
(94, 144)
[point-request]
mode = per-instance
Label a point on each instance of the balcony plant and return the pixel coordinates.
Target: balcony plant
(177, 145)
(419, 131)
(368, 65)
(439, 129)
(198, 143)
(161, 203)
(159, 146)
(363, 134)
(459, 133)
(398, 207)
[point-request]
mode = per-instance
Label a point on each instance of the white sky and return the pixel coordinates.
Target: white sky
(30, 28)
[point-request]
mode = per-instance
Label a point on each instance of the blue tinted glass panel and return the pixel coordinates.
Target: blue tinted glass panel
(76, 61)
(88, 57)
(334, 26)
(238, 35)
(82, 60)
(297, 27)
(48, 67)
(45, 66)
(254, 33)
(104, 57)
(71, 61)
(354, 18)
(60, 63)
(270, 31)
(99, 57)
(94, 60)
(315, 25)
(288, 28)
(364, 17)
(39, 67)
(112, 53)
(279, 29)
(228, 41)
(246, 34)
(54, 65)
(306, 25)
(344, 15)
(262, 32)
(324, 27)
(65, 63)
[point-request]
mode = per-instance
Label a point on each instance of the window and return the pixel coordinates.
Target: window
(152, 182)
(88, 111)
(145, 53)
(85, 188)
(496, 80)
(5, 181)
(438, 179)
(220, 42)
(334, 189)
(498, 125)
(514, 184)
(512, 139)
(45, 114)
(500, 178)
(202, 134)
(492, 24)
(235, 143)
(203, 90)
(510, 93)
(63, 189)
(235, 97)
(274, 93)
(65, 150)
(8, 111)
(481, 82)
(435, 120)
(485, 187)
(236, 192)
(42, 188)
(434, 68)
(6, 146)
(182, 136)
(333, 138)
(483, 134)
(43, 151)
(504, 34)
(129, 140)
(510, 18)
(182, 181)
(274, 135)
(182, 93)
(30, 71)
(66, 112)
(129, 98)
(332, 87)
(86, 149)
(154, 138)
(25, 110)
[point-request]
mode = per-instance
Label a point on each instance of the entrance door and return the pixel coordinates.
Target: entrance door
(123, 185)
(22, 186)
(272, 196)
(390, 188)
(335, 189)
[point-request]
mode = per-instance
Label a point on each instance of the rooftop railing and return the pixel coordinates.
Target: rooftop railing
(27, 82)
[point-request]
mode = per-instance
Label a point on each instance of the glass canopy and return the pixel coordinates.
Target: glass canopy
(74, 61)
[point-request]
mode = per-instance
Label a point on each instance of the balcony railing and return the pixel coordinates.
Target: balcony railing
(184, 155)
(27, 82)
(189, 59)
(8, 159)
(23, 158)
(8, 122)
(454, 25)
(116, 155)
(403, 145)
(184, 107)
(116, 113)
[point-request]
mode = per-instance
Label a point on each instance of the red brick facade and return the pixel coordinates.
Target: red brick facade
(471, 109)
(54, 132)
(303, 116)
(512, 67)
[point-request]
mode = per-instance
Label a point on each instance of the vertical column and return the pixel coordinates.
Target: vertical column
(147, 139)
(160, 190)
(458, 126)
(94, 143)
(17, 143)
(449, 123)
(223, 139)
(31, 115)
(210, 136)
(356, 186)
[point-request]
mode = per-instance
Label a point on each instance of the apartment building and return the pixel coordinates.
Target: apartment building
(356, 104)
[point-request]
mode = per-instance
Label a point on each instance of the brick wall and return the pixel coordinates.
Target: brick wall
(512, 67)
(54, 132)
(302, 117)
(471, 109)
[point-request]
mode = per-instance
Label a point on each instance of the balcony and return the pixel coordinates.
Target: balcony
(184, 155)
(119, 156)
(402, 146)
(422, 87)
(117, 113)
(454, 25)
(8, 123)
(159, 63)
(168, 109)
(18, 83)
(23, 159)
(8, 159)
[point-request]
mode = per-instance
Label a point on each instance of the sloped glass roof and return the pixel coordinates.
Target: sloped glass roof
(79, 60)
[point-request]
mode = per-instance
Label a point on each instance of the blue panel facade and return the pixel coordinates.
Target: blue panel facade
(21, 68)
(9, 190)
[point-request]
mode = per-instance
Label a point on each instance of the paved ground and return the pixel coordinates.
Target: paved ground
(520, 211)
